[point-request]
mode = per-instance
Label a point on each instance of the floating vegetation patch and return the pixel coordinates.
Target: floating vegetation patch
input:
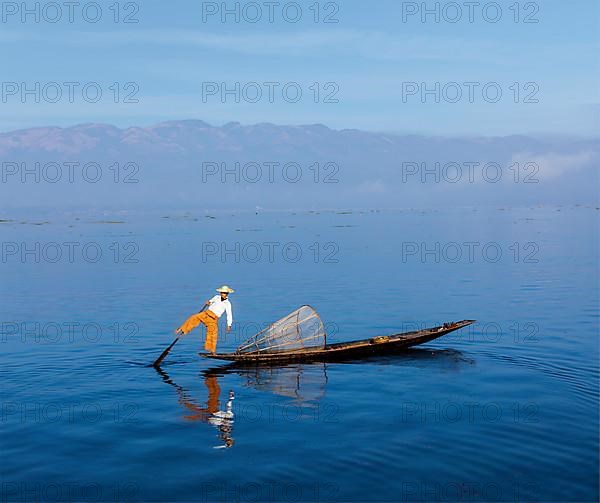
(180, 217)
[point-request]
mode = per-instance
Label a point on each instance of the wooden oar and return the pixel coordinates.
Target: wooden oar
(164, 354)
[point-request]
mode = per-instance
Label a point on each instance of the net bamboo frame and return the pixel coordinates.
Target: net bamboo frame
(301, 329)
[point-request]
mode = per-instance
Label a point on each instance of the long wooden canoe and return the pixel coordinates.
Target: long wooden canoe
(345, 350)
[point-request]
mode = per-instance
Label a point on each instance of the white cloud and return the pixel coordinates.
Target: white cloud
(552, 164)
(371, 45)
(375, 45)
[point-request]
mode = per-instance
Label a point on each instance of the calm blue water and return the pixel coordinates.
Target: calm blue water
(506, 410)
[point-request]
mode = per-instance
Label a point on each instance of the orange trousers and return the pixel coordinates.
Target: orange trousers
(210, 321)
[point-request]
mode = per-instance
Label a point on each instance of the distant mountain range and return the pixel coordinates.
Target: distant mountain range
(190, 164)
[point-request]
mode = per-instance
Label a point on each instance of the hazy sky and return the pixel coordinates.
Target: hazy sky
(464, 68)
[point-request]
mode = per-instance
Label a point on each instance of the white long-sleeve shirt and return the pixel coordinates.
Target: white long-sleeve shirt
(218, 306)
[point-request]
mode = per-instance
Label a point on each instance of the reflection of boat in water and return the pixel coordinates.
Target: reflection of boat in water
(211, 414)
(300, 336)
(305, 383)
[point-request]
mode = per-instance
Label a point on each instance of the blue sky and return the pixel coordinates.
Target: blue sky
(362, 62)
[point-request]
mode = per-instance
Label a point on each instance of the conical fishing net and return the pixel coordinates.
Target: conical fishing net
(298, 330)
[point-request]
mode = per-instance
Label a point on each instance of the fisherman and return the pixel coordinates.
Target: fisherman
(218, 305)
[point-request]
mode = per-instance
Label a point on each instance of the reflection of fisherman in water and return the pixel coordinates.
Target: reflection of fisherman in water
(221, 419)
(305, 384)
